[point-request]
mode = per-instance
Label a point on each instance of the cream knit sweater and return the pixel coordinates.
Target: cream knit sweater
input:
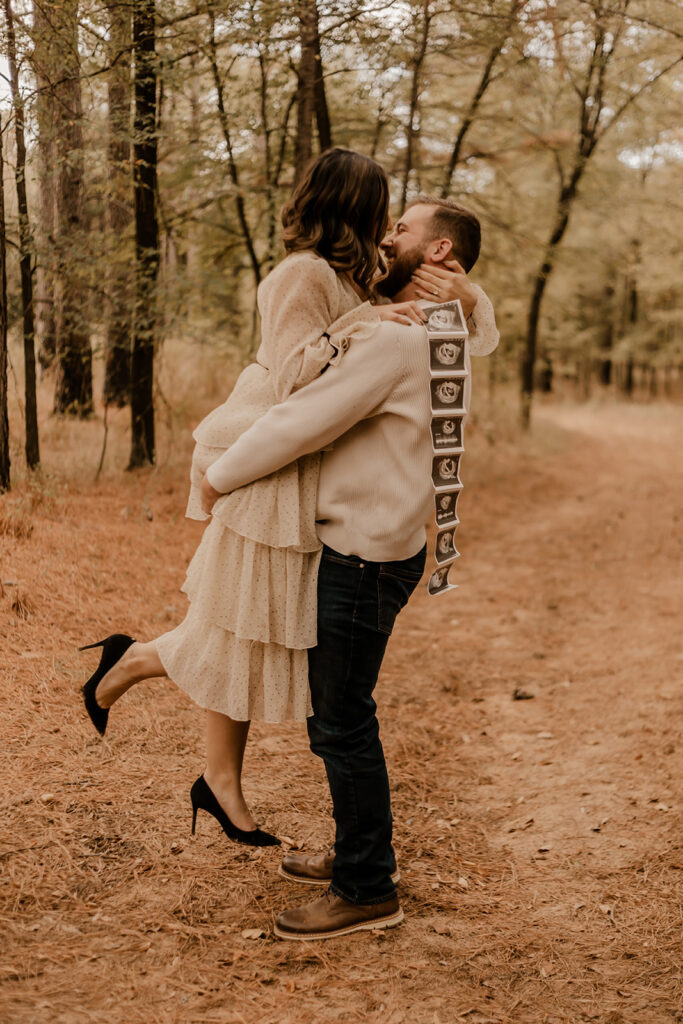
(298, 301)
(373, 409)
(369, 414)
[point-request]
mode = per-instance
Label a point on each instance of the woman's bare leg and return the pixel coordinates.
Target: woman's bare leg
(225, 743)
(226, 738)
(140, 661)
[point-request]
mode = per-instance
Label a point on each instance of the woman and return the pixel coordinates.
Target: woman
(241, 651)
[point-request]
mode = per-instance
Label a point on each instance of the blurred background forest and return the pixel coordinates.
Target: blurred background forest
(147, 150)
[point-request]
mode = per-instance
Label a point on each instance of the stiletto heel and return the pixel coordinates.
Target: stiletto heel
(202, 797)
(113, 648)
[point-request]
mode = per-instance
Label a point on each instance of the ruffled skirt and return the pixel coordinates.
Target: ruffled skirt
(242, 648)
(240, 678)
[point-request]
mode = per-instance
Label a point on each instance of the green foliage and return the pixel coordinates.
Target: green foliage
(625, 225)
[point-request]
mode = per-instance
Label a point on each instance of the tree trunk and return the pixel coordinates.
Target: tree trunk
(607, 339)
(379, 125)
(412, 127)
(565, 200)
(545, 375)
(232, 164)
(632, 301)
(25, 249)
(267, 160)
(119, 212)
(631, 310)
(4, 418)
(275, 181)
(322, 113)
(43, 61)
(146, 235)
(306, 93)
(73, 393)
(529, 356)
(605, 364)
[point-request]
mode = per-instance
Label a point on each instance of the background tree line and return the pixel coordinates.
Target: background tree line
(148, 149)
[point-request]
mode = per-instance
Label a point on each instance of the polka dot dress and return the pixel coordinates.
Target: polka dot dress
(242, 648)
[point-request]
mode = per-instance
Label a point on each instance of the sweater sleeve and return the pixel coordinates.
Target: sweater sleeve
(315, 416)
(484, 335)
(298, 302)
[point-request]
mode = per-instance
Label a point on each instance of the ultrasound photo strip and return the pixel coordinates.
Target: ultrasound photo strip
(439, 582)
(447, 434)
(445, 549)
(447, 508)
(447, 335)
(445, 318)
(447, 357)
(445, 472)
(448, 394)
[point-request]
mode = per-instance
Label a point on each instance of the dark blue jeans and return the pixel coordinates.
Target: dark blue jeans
(358, 603)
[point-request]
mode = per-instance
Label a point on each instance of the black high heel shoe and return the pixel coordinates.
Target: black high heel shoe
(113, 648)
(202, 798)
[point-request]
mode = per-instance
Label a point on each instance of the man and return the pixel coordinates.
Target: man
(374, 497)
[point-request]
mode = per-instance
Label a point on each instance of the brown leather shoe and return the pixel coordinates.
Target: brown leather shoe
(315, 868)
(330, 915)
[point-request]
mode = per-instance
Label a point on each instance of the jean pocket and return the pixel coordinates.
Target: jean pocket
(411, 576)
(350, 561)
(394, 587)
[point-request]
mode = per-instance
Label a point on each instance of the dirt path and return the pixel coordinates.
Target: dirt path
(539, 839)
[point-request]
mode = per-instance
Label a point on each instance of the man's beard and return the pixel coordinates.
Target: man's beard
(400, 272)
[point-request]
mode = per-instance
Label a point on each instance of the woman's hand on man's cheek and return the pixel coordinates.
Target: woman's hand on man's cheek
(445, 282)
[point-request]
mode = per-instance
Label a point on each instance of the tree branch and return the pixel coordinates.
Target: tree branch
(234, 173)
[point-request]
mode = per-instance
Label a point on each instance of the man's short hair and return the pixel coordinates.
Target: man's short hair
(451, 220)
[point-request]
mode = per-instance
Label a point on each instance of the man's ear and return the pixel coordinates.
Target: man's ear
(439, 250)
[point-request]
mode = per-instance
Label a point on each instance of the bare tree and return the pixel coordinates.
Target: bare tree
(25, 251)
(606, 339)
(305, 99)
(120, 212)
(43, 60)
(272, 162)
(4, 418)
(73, 391)
(322, 113)
(595, 118)
(311, 99)
(413, 122)
(631, 313)
(232, 165)
(143, 449)
(487, 77)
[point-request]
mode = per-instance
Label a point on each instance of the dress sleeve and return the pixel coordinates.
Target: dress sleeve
(299, 301)
(484, 335)
(314, 416)
(358, 323)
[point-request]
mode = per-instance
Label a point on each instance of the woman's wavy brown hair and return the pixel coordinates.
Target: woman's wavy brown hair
(340, 209)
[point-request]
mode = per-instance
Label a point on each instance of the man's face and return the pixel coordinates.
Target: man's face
(404, 248)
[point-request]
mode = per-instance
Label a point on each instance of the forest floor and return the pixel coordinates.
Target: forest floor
(539, 839)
